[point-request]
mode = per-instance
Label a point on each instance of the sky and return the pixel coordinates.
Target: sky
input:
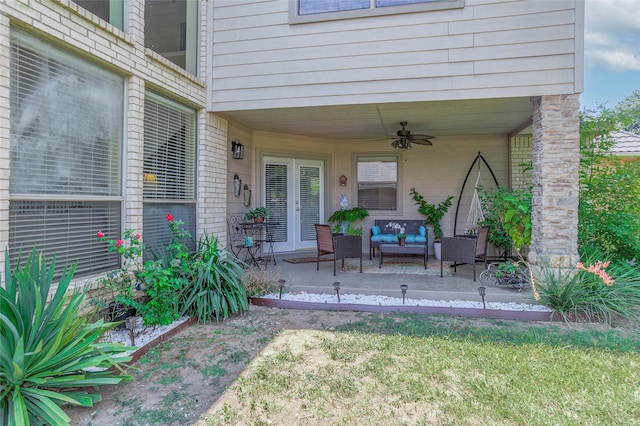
(612, 52)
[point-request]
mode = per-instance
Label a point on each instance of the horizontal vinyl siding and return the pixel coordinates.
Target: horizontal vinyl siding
(486, 49)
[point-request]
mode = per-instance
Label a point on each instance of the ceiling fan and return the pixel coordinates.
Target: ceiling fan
(404, 138)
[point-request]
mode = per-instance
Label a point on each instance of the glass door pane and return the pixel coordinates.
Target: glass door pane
(309, 199)
(277, 196)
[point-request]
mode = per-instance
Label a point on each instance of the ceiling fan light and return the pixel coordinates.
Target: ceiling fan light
(401, 144)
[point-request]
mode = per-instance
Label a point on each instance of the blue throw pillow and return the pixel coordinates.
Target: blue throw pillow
(375, 230)
(389, 238)
(411, 238)
(376, 238)
(422, 231)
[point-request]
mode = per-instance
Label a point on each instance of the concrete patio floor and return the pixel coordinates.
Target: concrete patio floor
(457, 286)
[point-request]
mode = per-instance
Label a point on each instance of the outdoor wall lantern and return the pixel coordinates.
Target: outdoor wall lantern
(237, 149)
(237, 184)
(343, 180)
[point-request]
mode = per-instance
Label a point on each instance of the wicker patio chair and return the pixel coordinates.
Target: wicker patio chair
(482, 242)
(347, 247)
(458, 250)
(324, 242)
(341, 246)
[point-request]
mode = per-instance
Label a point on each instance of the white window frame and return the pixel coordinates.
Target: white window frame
(429, 5)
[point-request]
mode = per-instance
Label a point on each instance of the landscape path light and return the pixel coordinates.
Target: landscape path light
(403, 289)
(482, 292)
(336, 287)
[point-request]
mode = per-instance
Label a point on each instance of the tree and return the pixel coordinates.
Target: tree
(630, 107)
(609, 205)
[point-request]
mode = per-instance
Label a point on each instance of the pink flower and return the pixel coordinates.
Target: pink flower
(119, 243)
(169, 217)
(137, 236)
(100, 234)
(599, 270)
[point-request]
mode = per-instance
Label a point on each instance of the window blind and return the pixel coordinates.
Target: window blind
(66, 128)
(66, 229)
(377, 182)
(156, 227)
(169, 170)
(309, 202)
(169, 149)
(277, 198)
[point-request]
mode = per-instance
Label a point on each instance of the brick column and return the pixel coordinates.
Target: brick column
(556, 160)
(212, 176)
(5, 140)
(134, 153)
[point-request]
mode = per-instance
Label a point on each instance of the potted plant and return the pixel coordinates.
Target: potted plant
(398, 230)
(433, 213)
(258, 214)
(508, 212)
(344, 218)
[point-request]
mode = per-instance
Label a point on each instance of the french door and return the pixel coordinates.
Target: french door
(293, 193)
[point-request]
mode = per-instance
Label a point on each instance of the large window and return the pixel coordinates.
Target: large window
(169, 168)
(66, 153)
(377, 182)
(171, 29)
(309, 10)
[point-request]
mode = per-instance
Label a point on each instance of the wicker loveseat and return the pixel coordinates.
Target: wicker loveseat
(381, 233)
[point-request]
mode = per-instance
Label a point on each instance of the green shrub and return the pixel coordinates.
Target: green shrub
(259, 281)
(216, 290)
(583, 294)
(166, 276)
(46, 347)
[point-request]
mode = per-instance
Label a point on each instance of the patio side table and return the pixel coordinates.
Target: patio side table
(406, 249)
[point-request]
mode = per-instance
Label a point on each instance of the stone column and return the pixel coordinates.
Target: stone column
(556, 161)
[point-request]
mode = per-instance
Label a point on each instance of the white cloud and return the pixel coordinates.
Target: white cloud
(612, 34)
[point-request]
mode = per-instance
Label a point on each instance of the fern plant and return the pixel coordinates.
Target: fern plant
(48, 347)
(433, 213)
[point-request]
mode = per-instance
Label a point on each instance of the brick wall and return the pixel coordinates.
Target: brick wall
(69, 26)
(521, 147)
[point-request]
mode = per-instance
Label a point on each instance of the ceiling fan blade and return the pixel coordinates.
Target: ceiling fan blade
(421, 137)
(426, 142)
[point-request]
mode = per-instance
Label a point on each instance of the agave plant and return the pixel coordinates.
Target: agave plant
(48, 347)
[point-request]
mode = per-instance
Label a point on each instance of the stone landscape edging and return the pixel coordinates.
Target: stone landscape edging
(434, 310)
(135, 356)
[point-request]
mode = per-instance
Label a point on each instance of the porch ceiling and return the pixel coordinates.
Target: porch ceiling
(371, 121)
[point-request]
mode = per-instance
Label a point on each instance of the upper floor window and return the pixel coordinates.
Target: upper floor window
(377, 182)
(111, 11)
(317, 10)
(171, 30)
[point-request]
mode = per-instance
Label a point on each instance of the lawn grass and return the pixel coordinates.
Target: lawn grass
(419, 370)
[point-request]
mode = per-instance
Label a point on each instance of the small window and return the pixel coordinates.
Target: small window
(323, 6)
(320, 10)
(378, 183)
(171, 30)
(111, 11)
